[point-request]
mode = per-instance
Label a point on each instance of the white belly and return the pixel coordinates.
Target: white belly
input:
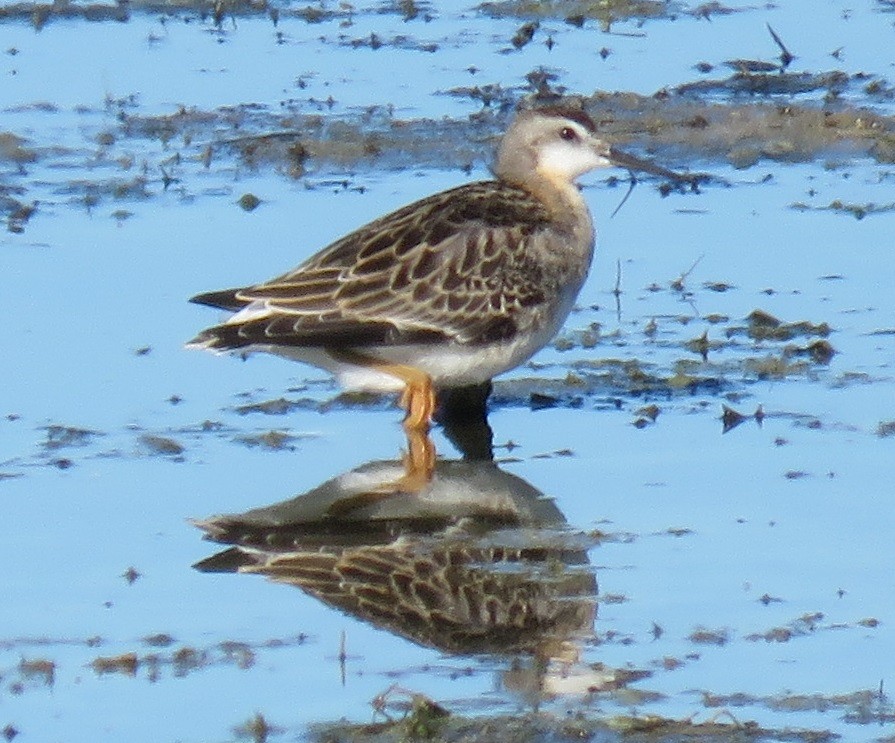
(448, 364)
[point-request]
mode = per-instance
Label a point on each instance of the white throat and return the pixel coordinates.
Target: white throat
(557, 161)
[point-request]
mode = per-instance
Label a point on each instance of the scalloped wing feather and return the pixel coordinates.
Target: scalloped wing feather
(454, 266)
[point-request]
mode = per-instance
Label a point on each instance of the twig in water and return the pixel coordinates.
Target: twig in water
(678, 283)
(785, 56)
(617, 291)
(343, 656)
(627, 194)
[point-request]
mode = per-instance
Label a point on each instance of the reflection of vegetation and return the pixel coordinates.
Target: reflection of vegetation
(184, 660)
(861, 707)
(256, 729)
(538, 728)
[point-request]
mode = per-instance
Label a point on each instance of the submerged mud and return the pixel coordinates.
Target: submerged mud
(687, 127)
(758, 114)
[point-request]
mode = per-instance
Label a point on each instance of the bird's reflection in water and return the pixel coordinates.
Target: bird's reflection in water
(468, 559)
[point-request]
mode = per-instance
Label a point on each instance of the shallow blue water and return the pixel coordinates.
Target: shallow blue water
(85, 293)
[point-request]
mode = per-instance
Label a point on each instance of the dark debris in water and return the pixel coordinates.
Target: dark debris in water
(799, 627)
(401, 41)
(161, 445)
(704, 636)
(754, 78)
(249, 202)
(598, 384)
(776, 366)
(131, 575)
(731, 418)
(42, 669)
(863, 707)
(858, 211)
(184, 660)
(761, 325)
(278, 406)
(159, 640)
(61, 437)
(124, 664)
(14, 150)
(271, 440)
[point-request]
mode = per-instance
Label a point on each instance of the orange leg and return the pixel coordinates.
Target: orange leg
(418, 400)
(418, 397)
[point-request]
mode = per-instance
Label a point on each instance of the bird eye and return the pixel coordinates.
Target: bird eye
(568, 134)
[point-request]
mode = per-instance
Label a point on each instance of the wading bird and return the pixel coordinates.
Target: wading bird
(448, 291)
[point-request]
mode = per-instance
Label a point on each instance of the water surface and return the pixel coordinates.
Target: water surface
(746, 571)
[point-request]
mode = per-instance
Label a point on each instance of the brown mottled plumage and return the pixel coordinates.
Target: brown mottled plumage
(448, 291)
(461, 257)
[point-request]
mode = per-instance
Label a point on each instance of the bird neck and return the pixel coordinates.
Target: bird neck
(559, 193)
(562, 198)
(520, 168)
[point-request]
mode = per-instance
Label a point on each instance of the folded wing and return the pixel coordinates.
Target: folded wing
(455, 266)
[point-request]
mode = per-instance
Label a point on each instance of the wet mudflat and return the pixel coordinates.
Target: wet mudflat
(685, 530)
